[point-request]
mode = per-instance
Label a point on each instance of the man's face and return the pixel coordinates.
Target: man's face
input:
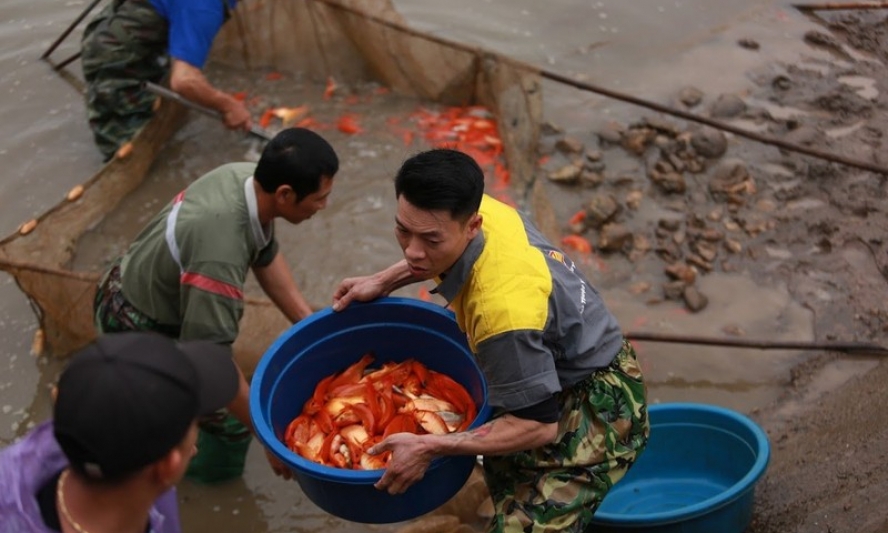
(432, 241)
(295, 212)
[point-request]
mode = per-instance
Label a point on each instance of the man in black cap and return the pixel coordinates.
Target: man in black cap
(124, 429)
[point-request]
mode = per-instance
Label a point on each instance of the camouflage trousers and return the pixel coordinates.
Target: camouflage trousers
(223, 441)
(115, 314)
(124, 45)
(603, 429)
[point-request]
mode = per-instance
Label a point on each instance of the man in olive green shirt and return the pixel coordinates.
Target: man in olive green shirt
(184, 274)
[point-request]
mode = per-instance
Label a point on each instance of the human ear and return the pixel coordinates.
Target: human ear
(474, 225)
(286, 195)
(170, 468)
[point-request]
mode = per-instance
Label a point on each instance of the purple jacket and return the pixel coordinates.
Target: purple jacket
(28, 464)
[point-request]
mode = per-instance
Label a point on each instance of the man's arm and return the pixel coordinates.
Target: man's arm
(411, 454)
(240, 405)
(209, 315)
(191, 83)
(240, 409)
(277, 282)
(366, 288)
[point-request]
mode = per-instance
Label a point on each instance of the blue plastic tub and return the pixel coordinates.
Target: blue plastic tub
(394, 329)
(697, 475)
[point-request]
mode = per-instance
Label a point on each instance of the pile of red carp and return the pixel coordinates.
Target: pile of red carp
(353, 410)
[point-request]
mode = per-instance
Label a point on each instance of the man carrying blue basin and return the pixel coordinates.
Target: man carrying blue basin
(570, 413)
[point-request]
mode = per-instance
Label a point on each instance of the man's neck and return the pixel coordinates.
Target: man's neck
(264, 204)
(84, 507)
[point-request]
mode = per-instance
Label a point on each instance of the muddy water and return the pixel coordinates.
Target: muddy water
(362, 196)
(353, 235)
(44, 151)
(650, 49)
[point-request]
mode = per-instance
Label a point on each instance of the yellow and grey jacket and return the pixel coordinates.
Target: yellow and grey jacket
(534, 322)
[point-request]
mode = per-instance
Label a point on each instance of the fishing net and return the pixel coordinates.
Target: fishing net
(350, 41)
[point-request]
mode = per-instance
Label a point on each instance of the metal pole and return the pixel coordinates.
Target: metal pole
(172, 95)
(67, 32)
(860, 348)
(65, 63)
(840, 7)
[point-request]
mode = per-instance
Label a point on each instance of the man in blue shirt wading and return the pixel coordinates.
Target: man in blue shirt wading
(132, 41)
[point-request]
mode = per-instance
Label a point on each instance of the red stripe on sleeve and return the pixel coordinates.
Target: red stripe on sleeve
(211, 285)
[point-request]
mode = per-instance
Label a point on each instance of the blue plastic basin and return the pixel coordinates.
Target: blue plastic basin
(394, 329)
(697, 475)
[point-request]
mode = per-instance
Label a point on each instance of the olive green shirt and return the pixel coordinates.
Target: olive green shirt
(188, 266)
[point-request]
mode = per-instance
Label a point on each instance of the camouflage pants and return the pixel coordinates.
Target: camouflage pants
(603, 429)
(223, 441)
(114, 313)
(123, 46)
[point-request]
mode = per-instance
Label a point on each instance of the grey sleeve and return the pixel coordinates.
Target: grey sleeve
(266, 255)
(520, 370)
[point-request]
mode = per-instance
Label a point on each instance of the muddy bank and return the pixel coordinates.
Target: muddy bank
(673, 202)
(829, 471)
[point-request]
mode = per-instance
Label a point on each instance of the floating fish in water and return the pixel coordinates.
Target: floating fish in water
(290, 115)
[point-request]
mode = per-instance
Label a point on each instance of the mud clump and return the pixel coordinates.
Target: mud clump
(690, 246)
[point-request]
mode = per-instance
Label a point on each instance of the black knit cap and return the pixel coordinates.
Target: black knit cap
(127, 399)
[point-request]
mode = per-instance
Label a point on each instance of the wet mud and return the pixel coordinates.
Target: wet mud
(828, 472)
(669, 205)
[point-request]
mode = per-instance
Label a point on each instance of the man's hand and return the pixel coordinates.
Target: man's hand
(236, 115)
(366, 288)
(279, 468)
(191, 83)
(409, 461)
(362, 289)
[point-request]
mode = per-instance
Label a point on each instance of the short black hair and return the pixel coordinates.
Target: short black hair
(442, 179)
(296, 157)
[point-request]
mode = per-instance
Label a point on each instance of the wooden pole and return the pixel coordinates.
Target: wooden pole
(740, 132)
